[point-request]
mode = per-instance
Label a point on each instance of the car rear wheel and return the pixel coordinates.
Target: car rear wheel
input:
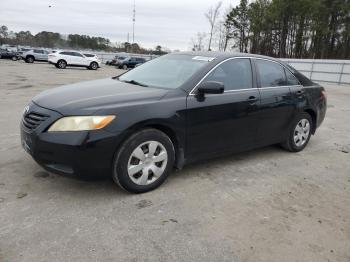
(144, 161)
(93, 66)
(61, 64)
(125, 67)
(14, 58)
(30, 59)
(299, 134)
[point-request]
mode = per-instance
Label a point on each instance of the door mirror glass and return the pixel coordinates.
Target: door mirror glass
(210, 87)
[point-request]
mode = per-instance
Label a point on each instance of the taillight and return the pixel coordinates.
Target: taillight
(323, 94)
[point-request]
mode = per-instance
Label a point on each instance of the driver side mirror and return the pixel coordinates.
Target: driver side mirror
(210, 87)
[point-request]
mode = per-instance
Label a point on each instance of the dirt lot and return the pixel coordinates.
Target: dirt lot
(265, 205)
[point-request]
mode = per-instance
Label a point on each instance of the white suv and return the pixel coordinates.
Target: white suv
(62, 59)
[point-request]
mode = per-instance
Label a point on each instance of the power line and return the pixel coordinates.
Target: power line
(133, 23)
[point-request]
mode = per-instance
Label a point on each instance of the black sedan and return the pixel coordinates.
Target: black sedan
(168, 112)
(7, 54)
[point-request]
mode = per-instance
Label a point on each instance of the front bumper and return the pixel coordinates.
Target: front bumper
(80, 154)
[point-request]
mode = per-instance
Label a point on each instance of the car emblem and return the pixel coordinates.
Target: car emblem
(26, 110)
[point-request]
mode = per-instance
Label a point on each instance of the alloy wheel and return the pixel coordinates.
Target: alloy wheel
(94, 66)
(147, 162)
(61, 64)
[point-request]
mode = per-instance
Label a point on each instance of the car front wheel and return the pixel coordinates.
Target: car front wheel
(125, 67)
(144, 161)
(299, 134)
(14, 58)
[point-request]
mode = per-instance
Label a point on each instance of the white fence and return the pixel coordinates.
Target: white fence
(109, 56)
(332, 71)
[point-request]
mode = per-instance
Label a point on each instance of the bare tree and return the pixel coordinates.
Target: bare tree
(212, 16)
(197, 42)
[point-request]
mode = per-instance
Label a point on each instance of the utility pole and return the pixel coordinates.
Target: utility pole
(133, 23)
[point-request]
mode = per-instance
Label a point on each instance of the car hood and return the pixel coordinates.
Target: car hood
(85, 98)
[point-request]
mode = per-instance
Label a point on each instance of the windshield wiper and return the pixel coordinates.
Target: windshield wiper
(134, 82)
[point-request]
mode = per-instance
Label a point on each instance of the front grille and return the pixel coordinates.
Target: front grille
(33, 119)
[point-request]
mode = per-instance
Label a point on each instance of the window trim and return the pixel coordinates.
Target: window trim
(192, 92)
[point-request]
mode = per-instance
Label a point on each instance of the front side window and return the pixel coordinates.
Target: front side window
(169, 71)
(271, 73)
(235, 74)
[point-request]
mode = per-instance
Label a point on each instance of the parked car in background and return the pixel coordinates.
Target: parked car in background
(170, 111)
(116, 60)
(130, 62)
(9, 54)
(62, 59)
(35, 55)
(93, 56)
(22, 50)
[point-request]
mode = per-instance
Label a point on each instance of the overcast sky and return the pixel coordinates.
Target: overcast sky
(168, 23)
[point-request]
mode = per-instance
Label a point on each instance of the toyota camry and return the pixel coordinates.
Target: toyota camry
(168, 112)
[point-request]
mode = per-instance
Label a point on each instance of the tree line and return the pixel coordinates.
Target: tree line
(317, 29)
(74, 41)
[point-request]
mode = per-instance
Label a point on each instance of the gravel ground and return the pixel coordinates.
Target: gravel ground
(264, 205)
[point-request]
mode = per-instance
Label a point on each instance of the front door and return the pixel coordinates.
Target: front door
(224, 122)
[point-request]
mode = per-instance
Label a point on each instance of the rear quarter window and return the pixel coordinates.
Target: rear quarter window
(302, 79)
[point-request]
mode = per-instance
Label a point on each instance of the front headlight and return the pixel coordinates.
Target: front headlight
(80, 123)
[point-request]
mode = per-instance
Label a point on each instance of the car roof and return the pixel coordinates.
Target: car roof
(222, 55)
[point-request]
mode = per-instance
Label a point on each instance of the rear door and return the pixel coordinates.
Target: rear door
(39, 54)
(224, 122)
(277, 106)
(80, 59)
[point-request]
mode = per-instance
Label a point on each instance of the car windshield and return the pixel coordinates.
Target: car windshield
(169, 71)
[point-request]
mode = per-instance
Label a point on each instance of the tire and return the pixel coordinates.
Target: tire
(30, 59)
(299, 133)
(93, 66)
(14, 58)
(61, 64)
(135, 152)
(125, 67)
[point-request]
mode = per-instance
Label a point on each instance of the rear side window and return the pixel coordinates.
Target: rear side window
(302, 79)
(234, 74)
(76, 54)
(291, 79)
(65, 53)
(271, 74)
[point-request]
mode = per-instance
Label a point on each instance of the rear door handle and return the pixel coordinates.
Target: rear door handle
(252, 98)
